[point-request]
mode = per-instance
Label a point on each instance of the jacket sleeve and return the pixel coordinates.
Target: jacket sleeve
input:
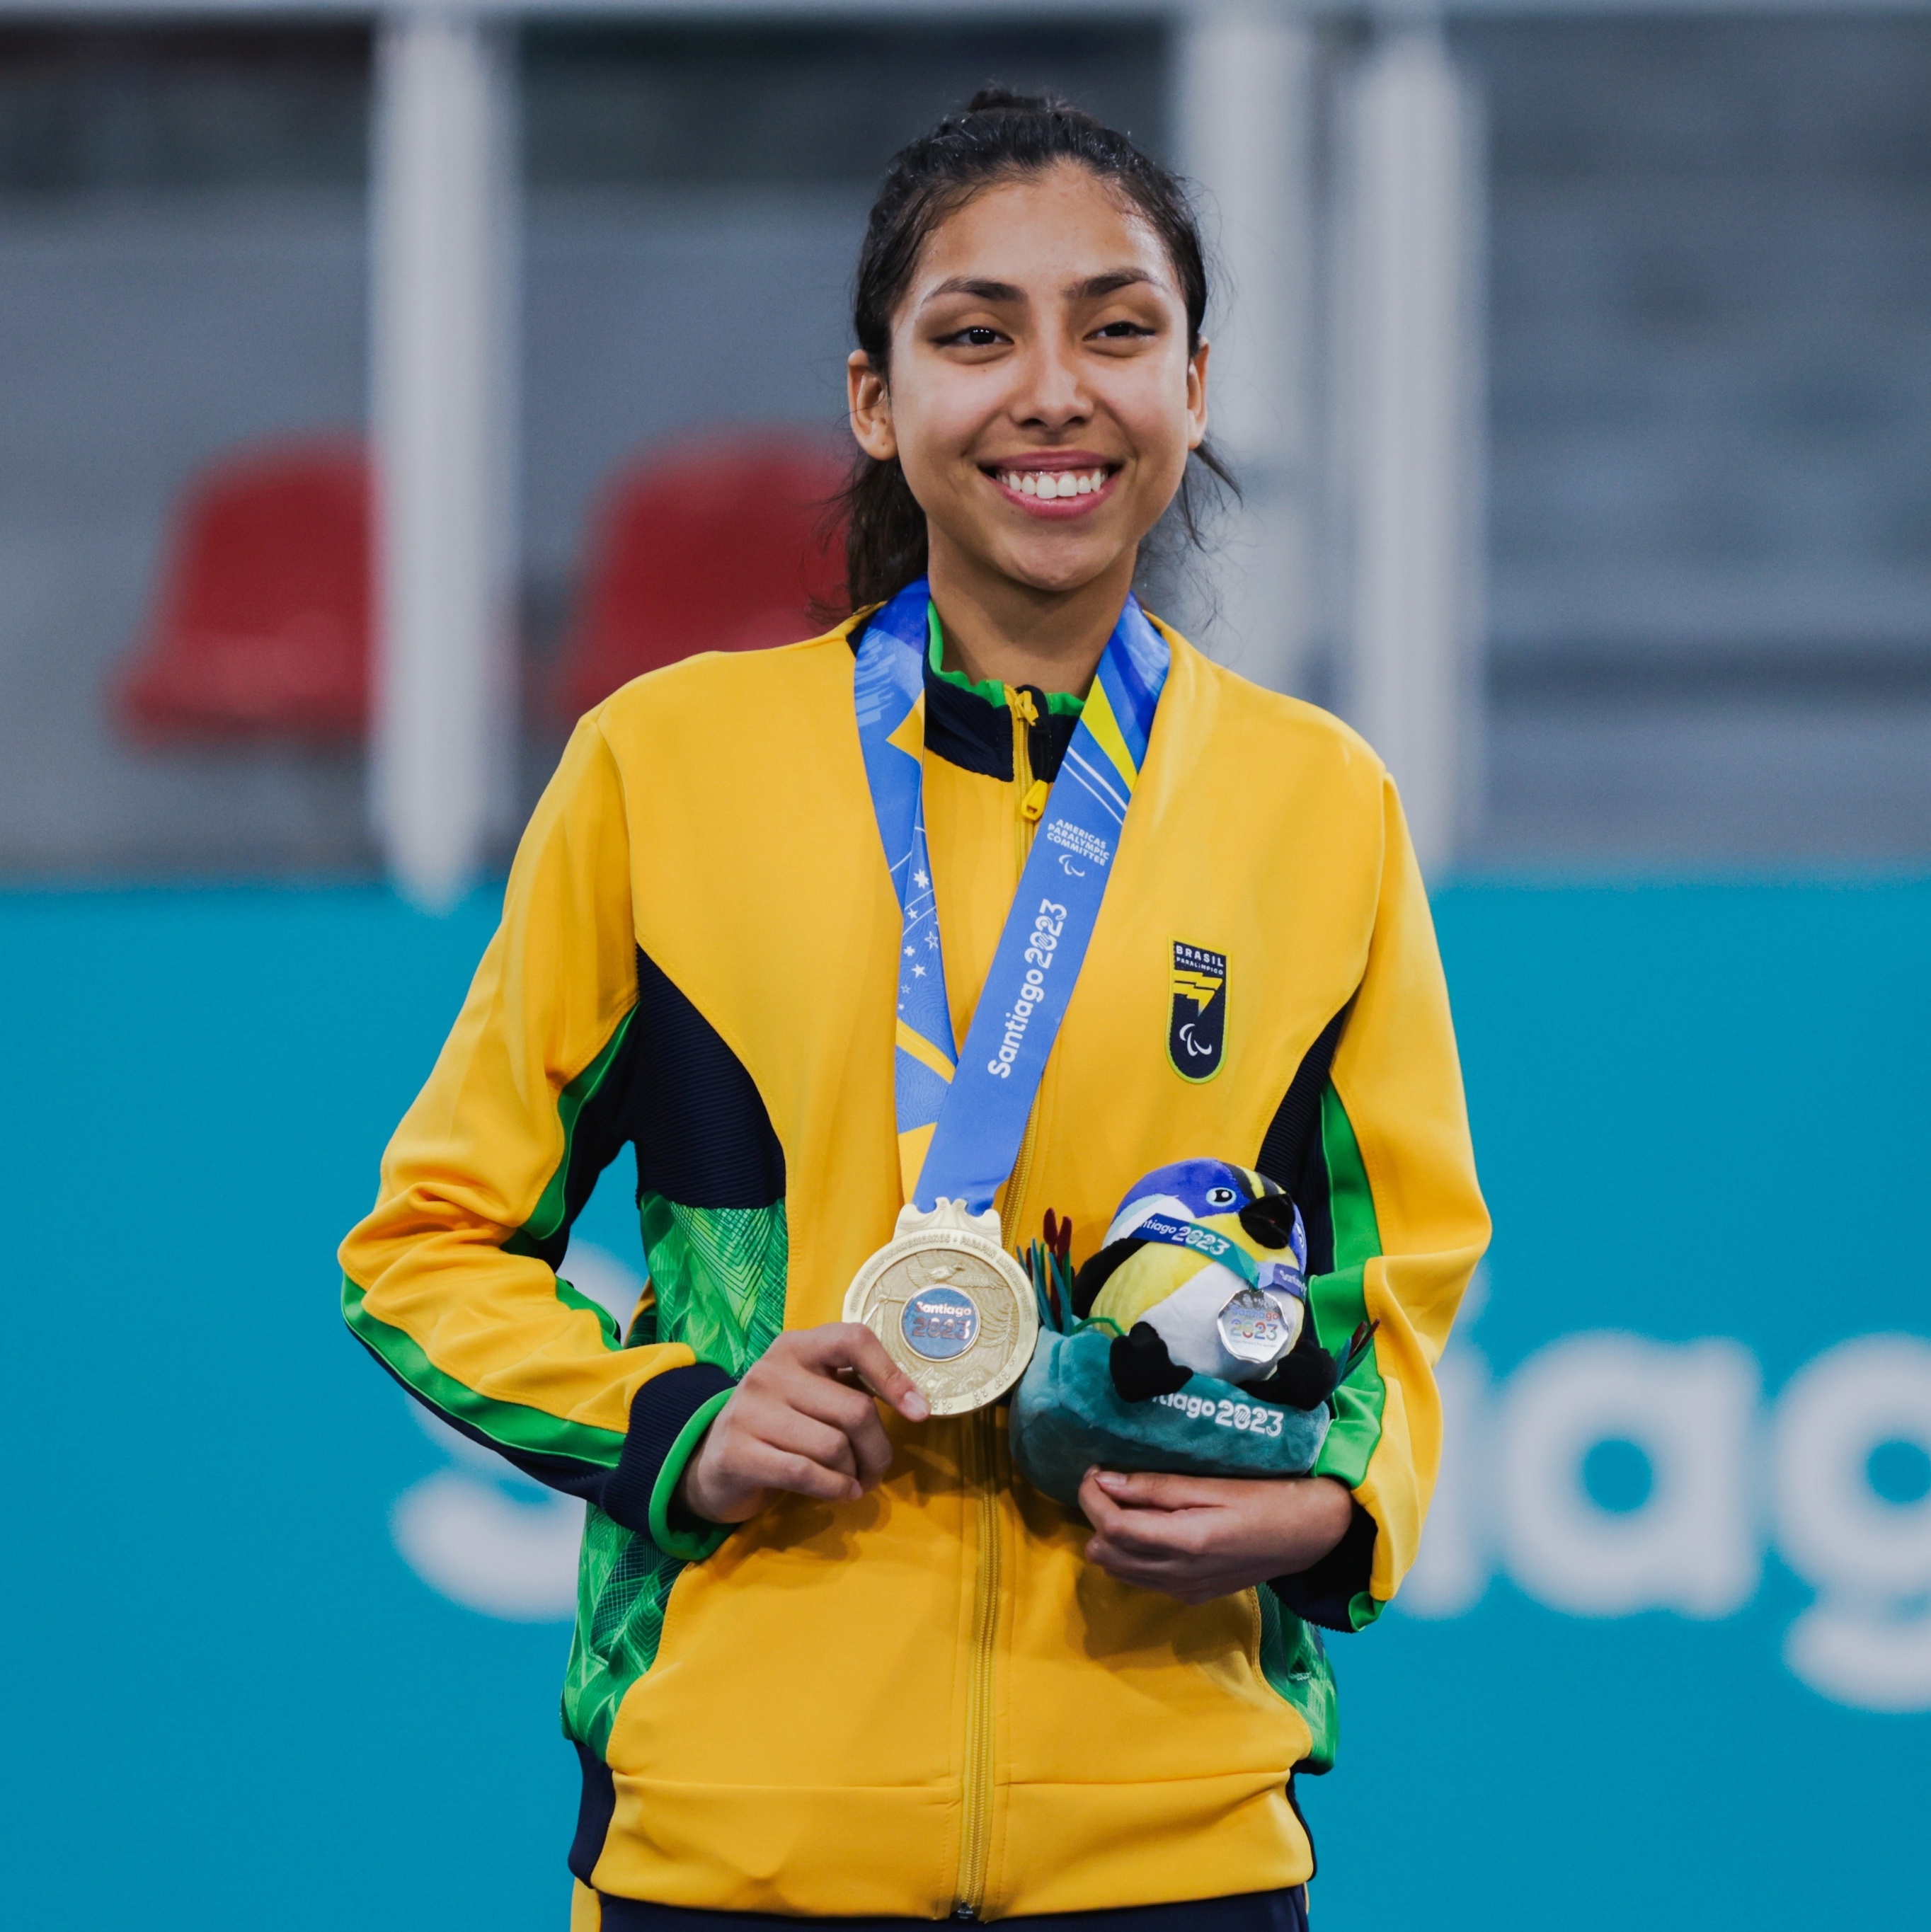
(451, 1281)
(1394, 1202)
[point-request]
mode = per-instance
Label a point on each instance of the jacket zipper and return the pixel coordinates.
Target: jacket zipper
(975, 1829)
(981, 1458)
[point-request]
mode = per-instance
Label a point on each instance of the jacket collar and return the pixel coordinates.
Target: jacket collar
(966, 726)
(967, 729)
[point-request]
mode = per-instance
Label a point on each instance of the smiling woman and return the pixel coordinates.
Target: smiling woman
(1038, 286)
(1040, 417)
(873, 947)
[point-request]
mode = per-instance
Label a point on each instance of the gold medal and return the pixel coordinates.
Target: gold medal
(954, 1310)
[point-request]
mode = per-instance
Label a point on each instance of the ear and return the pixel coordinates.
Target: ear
(1196, 396)
(869, 405)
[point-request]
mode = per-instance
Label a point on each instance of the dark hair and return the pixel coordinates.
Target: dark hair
(1000, 136)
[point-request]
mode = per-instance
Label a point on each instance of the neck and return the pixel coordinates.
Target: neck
(994, 628)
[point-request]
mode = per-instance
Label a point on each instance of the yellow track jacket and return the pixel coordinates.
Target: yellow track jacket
(926, 1701)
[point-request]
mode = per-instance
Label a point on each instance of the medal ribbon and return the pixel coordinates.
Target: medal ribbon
(1204, 1240)
(960, 1124)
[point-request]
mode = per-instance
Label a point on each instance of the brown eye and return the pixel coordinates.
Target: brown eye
(977, 337)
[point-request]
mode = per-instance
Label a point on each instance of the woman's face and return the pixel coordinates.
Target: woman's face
(1041, 399)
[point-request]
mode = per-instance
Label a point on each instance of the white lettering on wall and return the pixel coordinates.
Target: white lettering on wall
(1867, 1640)
(1512, 1488)
(1690, 1409)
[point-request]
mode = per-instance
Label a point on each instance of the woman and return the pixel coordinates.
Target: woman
(833, 1657)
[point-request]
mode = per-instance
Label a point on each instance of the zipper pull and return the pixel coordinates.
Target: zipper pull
(1033, 805)
(1022, 704)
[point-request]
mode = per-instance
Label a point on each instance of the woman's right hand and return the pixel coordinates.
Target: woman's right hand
(803, 1420)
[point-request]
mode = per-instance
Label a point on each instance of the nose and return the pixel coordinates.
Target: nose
(1052, 394)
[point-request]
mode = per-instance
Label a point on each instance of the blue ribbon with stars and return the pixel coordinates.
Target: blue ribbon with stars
(961, 1119)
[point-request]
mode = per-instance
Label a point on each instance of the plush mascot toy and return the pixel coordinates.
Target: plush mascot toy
(1184, 1344)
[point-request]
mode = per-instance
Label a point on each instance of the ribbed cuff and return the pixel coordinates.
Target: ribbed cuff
(1334, 1592)
(659, 1412)
(676, 1531)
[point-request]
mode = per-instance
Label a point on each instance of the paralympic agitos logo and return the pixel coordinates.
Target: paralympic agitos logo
(1196, 1011)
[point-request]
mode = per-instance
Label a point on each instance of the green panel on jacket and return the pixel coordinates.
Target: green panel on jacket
(717, 1277)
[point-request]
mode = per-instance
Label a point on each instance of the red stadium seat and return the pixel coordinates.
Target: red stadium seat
(717, 544)
(262, 629)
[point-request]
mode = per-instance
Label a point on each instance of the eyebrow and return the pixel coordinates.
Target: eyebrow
(974, 285)
(1091, 289)
(1094, 286)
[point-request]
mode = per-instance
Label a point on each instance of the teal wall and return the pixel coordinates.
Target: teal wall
(229, 1701)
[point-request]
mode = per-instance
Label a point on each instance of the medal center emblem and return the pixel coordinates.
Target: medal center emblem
(940, 1323)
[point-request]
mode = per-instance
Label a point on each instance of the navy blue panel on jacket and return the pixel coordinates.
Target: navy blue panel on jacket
(703, 1135)
(1248, 1912)
(1292, 1154)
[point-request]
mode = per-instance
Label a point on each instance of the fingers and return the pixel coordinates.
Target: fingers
(1151, 1490)
(1168, 1549)
(764, 1465)
(708, 1489)
(1196, 1538)
(851, 1345)
(871, 1448)
(1183, 1587)
(1185, 1578)
(1154, 1535)
(852, 1412)
(1188, 1577)
(1100, 1509)
(802, 1420)
(755, 1446)
(796, 1431)
(832, 1369)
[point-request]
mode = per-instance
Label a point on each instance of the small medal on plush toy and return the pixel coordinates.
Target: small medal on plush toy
(1256, 1329)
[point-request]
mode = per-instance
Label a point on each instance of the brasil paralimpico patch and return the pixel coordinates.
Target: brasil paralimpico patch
(1197, 1013)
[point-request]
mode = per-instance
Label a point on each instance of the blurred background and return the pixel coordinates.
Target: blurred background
(1576, 360)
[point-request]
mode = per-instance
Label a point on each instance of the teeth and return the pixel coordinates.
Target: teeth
(1047, 484)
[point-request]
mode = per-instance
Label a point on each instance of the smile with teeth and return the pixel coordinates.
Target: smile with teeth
(1051, 483)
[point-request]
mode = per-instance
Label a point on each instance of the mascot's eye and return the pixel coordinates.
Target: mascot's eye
(1220, 1197)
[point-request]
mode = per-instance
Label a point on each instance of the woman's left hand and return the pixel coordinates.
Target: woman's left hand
(1198, 1538)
